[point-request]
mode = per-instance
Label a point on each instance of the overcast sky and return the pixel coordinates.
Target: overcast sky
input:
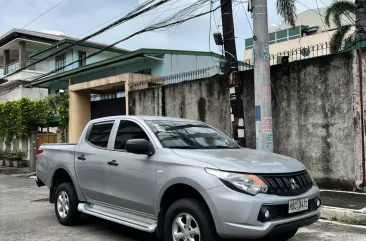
(75, 17)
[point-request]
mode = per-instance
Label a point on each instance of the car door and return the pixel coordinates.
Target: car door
(90, 160)
(130, 180)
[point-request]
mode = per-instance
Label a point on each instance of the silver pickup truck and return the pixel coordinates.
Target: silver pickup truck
(182, 179)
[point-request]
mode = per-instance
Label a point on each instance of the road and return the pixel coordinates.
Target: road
(25, 214)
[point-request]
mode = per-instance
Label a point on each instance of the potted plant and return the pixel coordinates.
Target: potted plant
(2, 158)
(17, 158)
(8, 158)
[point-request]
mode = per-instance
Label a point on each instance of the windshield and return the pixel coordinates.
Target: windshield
(189, 135)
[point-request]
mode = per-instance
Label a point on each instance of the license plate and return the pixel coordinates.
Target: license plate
(298, 205)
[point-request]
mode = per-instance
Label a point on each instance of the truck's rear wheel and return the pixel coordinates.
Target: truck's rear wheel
(66, 204)
(189, 219)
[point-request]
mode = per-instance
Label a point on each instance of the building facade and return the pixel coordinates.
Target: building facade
(310, 32)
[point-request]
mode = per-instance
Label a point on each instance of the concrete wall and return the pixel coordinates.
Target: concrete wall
(316, 117)
(206, 100)
(20, 92)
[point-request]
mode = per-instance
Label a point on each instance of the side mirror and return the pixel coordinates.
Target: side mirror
(138, 146)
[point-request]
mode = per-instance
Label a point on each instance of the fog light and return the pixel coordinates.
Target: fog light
(266, 214)
(318, 203)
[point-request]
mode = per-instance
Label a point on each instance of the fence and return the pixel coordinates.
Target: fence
(176, 78)
(291, 55)
(297, 54)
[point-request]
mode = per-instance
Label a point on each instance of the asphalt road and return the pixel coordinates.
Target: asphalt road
(25, 214)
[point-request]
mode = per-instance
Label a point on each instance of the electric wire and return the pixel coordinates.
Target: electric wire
(175, 20)
(143, 8)
(44, 13)
(321, 18)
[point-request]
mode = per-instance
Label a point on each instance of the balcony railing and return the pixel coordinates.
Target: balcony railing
(11, 68)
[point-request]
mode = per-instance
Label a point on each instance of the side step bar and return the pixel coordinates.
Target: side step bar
(128, 219)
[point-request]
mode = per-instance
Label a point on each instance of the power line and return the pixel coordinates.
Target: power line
(246, 14)
(134, 13)
(209, 34)
(325, 29)
(352, 21)
(44, 13)
(125, 13)
(161, 25)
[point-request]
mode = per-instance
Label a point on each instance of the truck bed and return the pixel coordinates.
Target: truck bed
(52, 156)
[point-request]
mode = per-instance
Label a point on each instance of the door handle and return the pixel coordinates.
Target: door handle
(113, 163)
(82, 158)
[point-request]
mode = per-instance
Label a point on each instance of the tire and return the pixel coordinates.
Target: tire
(198, 213)
(67, 193)
(285, 236)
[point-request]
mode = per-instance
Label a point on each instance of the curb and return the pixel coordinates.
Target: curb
(349, 216)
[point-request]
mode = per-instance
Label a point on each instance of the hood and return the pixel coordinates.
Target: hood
(244, 160)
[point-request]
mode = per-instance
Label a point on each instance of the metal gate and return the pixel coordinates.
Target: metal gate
(45, 139)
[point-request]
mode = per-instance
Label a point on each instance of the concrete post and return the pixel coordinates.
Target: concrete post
(22, 55)
(79, 113)
(262, 80)
(33, 151)
(6, 60)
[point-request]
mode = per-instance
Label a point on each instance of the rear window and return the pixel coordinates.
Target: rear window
(99, 134)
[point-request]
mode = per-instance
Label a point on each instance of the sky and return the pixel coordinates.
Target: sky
(77, 18)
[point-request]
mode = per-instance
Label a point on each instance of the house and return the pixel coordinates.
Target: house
(18, 49)
(100, 88)
(310, 31)
(15, 46)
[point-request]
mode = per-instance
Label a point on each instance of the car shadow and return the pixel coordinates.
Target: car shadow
(115, 228)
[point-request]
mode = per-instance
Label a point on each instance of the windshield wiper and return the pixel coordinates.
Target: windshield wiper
(183, 147)
(222, 147)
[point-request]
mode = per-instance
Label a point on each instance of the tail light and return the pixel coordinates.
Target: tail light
(39, 151)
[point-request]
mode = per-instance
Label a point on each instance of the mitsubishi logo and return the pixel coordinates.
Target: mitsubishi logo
(294, 185)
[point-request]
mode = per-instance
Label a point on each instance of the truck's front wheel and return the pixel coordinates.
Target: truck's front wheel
(66, 204)
(189, 219)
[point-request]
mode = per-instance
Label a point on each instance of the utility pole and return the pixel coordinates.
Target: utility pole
(262, 80)
(237, 111)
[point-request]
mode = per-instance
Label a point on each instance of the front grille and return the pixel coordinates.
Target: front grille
(291, 184)
(278, 212)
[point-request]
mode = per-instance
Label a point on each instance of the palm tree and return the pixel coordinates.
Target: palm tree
(334, 13)
(287, 10)
(343, 36)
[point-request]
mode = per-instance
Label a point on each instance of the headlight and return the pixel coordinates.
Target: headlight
(248, 183)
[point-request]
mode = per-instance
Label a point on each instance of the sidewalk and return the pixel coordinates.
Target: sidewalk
(347, 207)
(13, 170)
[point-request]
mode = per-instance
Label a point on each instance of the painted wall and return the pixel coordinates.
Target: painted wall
(314, 18)
(316, 117)
(73, 55)
(206, 100)
(175, 64)
(20, 92)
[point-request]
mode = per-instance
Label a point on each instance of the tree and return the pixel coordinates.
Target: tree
(346, 9)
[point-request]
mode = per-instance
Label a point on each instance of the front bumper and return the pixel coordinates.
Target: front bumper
(236, 214)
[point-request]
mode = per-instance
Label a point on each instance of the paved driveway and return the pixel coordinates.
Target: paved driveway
(26, 215)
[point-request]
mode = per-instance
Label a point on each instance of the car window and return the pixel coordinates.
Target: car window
(99, 134)
(188, 134)
(128, 130)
